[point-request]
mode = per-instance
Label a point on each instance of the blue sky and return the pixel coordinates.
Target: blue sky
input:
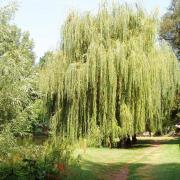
(44, 18)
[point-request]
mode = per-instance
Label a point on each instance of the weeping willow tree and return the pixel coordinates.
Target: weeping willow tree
(111, 76)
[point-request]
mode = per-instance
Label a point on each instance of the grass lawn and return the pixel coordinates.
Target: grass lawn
(153, 158)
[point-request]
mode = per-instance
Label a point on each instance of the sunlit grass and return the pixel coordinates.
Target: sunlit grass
(156, 157)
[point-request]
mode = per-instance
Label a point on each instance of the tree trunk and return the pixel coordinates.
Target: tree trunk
(134, 139)
(128, 142)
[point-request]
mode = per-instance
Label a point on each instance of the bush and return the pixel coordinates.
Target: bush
(52, 159)
(7, 143)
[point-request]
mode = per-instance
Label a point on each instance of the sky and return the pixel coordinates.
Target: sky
(44, 18)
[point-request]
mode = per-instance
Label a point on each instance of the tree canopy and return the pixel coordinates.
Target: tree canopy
(170, 26)
(16, 72)
(110, 77)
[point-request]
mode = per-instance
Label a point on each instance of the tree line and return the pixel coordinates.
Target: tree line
(110, 78)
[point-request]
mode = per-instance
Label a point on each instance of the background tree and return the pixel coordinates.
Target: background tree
(170, 26)
(48, 56)
(170, 31)
(16, 70)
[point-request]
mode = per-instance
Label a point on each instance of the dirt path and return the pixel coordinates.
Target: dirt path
(145, 170)
(124, 172)
(121, 175)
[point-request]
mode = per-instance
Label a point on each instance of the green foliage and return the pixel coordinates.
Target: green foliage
(127, 121)
(21, 126)
(7, 143)
(175, 113)
(58, 152)
(170, 26)
(16, 73)
(7, 12)
(46, 58)
(110, 75)
(94, 137)
(29, 161)
(170, 31)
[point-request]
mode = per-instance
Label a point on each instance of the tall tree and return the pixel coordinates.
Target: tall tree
(16, 67)
(110, 78)
(170, 31)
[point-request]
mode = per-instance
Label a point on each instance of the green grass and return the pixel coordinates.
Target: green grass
(145, 161)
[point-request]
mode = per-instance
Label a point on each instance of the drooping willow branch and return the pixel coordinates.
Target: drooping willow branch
(110, 75)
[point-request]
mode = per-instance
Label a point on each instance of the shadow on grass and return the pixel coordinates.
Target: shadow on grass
(136, 146)
(137, 171)
(158, 141)
(145, 143)
(169, 171)
(95, 171)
